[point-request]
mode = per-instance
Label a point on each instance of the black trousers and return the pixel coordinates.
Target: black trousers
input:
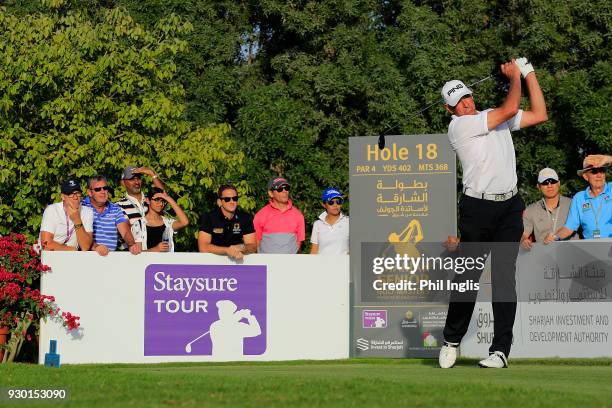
(485, 222)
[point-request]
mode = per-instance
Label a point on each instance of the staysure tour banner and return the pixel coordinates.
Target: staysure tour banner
(400, 196)
(157, 307)
(205, 310)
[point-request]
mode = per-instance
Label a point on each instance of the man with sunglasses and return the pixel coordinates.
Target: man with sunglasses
(279, 226)
(108, 219)
(133, 204)
(591, 209)
(67, 226)
(546, 215)
(330, 233)
(490, 209)
(225, 230)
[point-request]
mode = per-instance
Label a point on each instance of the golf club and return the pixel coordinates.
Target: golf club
(381, 138)
(188, 346)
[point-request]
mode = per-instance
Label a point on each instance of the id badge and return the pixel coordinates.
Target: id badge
(596, 233)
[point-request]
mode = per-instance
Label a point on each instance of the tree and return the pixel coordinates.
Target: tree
(296, 79)
(81, 96)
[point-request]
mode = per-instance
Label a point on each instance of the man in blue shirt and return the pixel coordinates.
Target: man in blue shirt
(108, 219)
(591, 209)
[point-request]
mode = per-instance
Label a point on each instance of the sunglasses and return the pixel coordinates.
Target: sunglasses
(597, 170)
(335, 201)
(228, 199)
(159, 200)
(98, 189)
(281, 188)
(549, 181)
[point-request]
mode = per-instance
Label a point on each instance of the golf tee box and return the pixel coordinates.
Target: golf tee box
(52, 359)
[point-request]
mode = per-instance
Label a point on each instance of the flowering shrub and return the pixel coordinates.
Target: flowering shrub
(21, 305)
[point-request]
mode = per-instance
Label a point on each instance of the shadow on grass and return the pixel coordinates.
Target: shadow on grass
(461, 362)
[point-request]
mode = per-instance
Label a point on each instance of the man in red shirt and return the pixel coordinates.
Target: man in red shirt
(279, 226)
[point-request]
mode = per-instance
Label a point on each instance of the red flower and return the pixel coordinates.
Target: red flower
(20, 264)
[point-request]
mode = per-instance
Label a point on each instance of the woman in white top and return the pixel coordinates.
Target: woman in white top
(156, 234)
(330, 233)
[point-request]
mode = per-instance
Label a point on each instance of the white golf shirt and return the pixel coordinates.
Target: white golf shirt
(56, 221)
(487, 156)
(332, 239)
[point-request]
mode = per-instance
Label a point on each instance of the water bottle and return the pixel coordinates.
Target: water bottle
(166, 237)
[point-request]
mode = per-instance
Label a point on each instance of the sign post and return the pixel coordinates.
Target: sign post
(402, 195)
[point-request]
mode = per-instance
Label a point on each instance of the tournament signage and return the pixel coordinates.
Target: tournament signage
(564, 309)
(402, 197)
(217, 310)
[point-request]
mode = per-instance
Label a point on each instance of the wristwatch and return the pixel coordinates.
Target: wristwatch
(556, 237)
(77, 226)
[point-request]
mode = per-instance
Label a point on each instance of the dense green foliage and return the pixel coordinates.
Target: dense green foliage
(83, 97)
(372, 382)
(295, 79)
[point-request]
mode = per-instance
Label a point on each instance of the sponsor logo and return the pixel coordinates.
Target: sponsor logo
(379, 345)
(374, 319)
(363, 344)
(452, 90)
(429, 340)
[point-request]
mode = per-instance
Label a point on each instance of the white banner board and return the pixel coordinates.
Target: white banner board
(564, 307)
(154, 307)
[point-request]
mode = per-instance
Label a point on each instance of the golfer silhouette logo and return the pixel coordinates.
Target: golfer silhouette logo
(380, 322)
(227, 334)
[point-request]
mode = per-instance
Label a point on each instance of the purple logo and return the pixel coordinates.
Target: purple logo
(217, 310)
(374, 319)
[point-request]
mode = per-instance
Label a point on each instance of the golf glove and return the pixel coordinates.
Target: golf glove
(525, 66)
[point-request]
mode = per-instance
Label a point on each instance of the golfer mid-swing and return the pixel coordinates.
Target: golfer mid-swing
(490, 209)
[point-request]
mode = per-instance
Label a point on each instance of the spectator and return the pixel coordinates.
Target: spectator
(108, 219)
(279, 226)
(330, 233)
(134, 205)
(157, 232)
(545, 215)
(67, 226)
(226, 231)
(591, 209)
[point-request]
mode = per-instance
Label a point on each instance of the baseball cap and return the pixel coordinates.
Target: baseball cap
(69, 186)
(547, 173)
(128, 173)
(277, 182)
(330, 193)
(454, 90)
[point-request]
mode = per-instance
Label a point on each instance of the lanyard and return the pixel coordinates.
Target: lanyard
(556, 216)
(597, 212)
(69, 231)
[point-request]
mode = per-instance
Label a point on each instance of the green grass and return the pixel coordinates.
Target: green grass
(350, 383)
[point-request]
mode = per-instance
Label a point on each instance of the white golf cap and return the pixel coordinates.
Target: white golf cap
(454, 90)
(546, 174)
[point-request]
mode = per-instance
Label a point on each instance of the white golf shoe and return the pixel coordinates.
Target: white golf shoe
(448, 355)
(496, 359)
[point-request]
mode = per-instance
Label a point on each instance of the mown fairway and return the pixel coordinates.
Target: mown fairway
(355, 383)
